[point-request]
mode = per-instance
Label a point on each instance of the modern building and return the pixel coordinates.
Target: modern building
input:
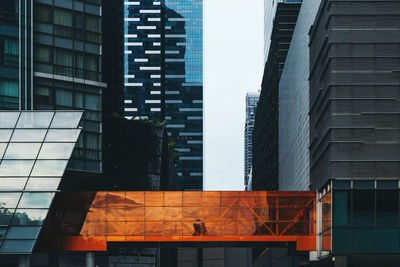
(269, 15)
(251, 106)
(265, 134)
(294, 160)
(50, 59)
(35, 148)
(163, 76)
(354, 92)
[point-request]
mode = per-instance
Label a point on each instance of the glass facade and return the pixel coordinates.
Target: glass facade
(190, 216)
(294, 165)
(361, 217)
(50, 59)
(251, 106)
(34, 150)
(164, 76)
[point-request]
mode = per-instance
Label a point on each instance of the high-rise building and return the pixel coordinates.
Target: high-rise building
(354, 92)
(294, 166)
(265, 135)
(50, 59)
(269, 15)
(251, 106)
(163, 76)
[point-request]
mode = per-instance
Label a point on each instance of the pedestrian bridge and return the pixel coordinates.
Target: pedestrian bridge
(90, 221)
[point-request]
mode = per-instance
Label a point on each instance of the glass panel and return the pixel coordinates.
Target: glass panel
(341, 207)
(12, 184)
(8, 119)
(23, 232)
(17, 246)
(5, 216)
(5, 135)
(22, 151)
(64, 98)
(66, 119)
(9, 200)
(42, 13)
(28, 135)
(49, 168)
(387, 207)
(2, 149)
(92, 102)
(43, 184)
(43, 54)
(342, 184)
(36, 200)
(388, 184)
(63, 17)
(16, 167)
(364, 184)
(56, 150)
(363, 207)
(29, 216)
(35, 120)
(64, 135)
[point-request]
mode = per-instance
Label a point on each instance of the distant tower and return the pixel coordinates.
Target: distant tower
(251, 106)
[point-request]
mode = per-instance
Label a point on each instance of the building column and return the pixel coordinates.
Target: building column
(23, 260)
(340, 261)
(90, 259)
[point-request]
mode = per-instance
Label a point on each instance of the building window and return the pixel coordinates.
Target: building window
(62, 17)
(42, 54)
(63, 58)
(42, 13)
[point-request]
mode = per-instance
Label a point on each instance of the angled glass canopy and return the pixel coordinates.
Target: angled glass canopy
(35, 147)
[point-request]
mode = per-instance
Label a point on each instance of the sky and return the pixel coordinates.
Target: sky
(233, 66)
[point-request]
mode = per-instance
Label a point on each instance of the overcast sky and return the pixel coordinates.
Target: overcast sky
(233, 65)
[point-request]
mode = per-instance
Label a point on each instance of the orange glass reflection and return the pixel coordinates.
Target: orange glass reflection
(199, 216)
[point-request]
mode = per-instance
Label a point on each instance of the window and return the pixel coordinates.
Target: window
(92, 102)
(42, 13)
(92, 23)
(63, 98)
(42, 54)
(63, 58)
(63, 17)
(9, 88)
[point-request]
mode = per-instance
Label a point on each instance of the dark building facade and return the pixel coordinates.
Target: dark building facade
(50, 59)
(163, 76)
(265, 170)
(354, 91)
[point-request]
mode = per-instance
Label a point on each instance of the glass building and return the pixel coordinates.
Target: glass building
(35, 148)
(294, 165)
(50, 59)
(163, 76)
(251, 106)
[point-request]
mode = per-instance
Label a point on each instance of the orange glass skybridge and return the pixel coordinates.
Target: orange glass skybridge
(188, 216)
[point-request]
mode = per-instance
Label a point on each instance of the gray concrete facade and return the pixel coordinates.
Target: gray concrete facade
(355, 91)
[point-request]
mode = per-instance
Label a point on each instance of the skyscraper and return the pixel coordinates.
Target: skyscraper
(265, 136)
(163, 76)
(251, 106)
(50, 58)
(294, 160)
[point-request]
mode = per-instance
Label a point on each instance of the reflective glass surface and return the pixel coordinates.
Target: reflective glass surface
(28, 184)
(28, 135)
(5, 135)
(49, 167)
(36, 200)
(29, 216)
(16, 167)
(22, 151)
(8, 119)
(12, 184)
(196, 216)
(56, 150)
(42, 184)
(67, 135)
(66, 120)
(35, 119)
